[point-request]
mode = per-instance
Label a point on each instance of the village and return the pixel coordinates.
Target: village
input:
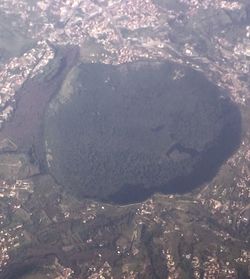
(73, 22)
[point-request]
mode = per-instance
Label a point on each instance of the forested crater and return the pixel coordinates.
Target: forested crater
(121, 133)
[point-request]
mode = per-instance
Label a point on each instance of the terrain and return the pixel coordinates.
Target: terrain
(49, 230)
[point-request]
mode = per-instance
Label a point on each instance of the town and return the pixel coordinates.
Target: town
(117, 28)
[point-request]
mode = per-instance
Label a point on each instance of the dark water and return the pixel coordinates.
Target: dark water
(132, 130)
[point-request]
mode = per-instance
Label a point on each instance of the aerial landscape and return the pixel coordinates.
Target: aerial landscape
(124, 139)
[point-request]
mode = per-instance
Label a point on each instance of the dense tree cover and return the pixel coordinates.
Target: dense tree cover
(130, 130)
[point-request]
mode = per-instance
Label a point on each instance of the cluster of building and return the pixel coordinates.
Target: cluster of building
(232, 5)
(239, 191)
(60, 271)
(171, 265)
(11, 233)
(13, 191)
(234, 54)
(140, 14)
(104, 272)
(196, 267)
(244, 257)
(212, 269)
(74, 22)
(196, 4)
(14, 73)
(84, 213)
(81, 20)
(10, 238)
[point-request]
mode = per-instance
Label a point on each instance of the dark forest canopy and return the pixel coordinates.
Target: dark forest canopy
(131, 130)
